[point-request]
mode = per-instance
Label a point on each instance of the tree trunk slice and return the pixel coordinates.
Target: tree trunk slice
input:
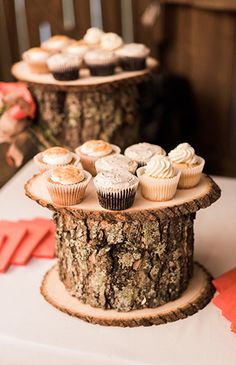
(197, 295)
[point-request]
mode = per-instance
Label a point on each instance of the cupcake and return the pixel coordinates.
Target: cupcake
(76, 49)
(67, 184)
(111, 41)
(117, 163)
(64, 67)
(100, 62)
(158, 179)
(189, 164)
(93, 37)
(36, 59)
(56, 156)
(92, 150)
(143, 152)
(132, 56)
(116, 189)
(56, 43)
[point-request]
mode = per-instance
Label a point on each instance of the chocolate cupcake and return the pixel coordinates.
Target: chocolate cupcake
(92, 150)
(132, 56)
(56, 156)
(117, 163)
(36, 58)
(64, 67)
(143, 152)
(100, 62)
(116, 190)
(67, 184)
(56, 43)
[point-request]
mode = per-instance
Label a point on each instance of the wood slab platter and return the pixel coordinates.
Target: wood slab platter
(195, 297)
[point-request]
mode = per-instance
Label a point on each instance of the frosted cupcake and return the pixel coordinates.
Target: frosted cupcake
(56, 43)
(36, 59)
(143, 152)
(159, 179)
(94, 149)
(100, 62)
(132, 56)
(116, 189)
(93, 36)
(189, 164)
(117, 163)
(67, 184)
(64, 67)
(76, 49)
(111, 41)
(56, 156)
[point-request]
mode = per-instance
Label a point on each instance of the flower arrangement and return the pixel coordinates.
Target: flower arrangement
(17, 109)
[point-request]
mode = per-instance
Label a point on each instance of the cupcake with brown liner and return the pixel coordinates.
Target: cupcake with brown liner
(132, 56)
(111, 41)
(64, 67)
(117, 163)
(67, 184)
(188, 163)
(92, 150)
(158, 180)
(143, 152)
(54, 157)
(77, 49)
(100, 62)
(56, 43)
(116, 189)
(36, 59)
(93, 37)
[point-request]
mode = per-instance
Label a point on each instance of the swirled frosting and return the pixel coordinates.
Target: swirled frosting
(133, 50)
(93, 36)
(116, 162)
(76, 49)
(143, 152)
(67, 175)
(99, 57)
(57, 156)
(63, 61)
(115, 179)
(35, 54)
(56, 43)
(96, 148)
(160, 167)
(183, 153)
(111, 41)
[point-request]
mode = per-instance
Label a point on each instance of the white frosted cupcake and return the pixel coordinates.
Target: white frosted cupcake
(56, 156)
(190, 165)
(64, 67)
(93, 36)
(111, 41)
(92, 150)
(159, 179)
(117, 163)
(67, 184)
(36, 59)
(116, 189)
(100, 62)
(143, 152)
(56, 43)
(76, 49)
(132, 56)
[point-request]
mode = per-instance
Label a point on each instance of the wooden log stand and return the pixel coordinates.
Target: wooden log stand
(127, 268)
(70, 113)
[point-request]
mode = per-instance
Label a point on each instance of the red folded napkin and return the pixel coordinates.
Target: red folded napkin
(2, 239)
(36, 234)
(46, 248)
(224, 281)
(15, 234)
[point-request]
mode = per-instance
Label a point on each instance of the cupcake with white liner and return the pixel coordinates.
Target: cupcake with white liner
(111, 41)
(132, 56)
(100, 62)
(188, 163)
(64, 67)
(92, 150)
(117, 163)
(56, 43)
(67, 184)
(93, 36)
(116, 189)
(36, 58)
(159, 179)
(56, 156)
(143, 152)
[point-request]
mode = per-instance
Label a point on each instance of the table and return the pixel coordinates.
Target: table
(33, 332)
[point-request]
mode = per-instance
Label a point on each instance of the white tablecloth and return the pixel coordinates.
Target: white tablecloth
(33, 332)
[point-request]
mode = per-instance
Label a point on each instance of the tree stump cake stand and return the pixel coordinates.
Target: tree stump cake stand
(127, 268)
(72, 112)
